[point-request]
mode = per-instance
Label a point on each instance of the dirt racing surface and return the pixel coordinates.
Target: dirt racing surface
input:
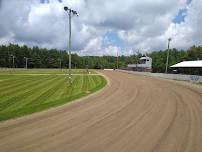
(132, 114)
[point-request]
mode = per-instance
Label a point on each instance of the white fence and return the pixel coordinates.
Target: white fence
(191, 78)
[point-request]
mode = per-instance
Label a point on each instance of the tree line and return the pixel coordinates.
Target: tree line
(13, 55)
(176, 56)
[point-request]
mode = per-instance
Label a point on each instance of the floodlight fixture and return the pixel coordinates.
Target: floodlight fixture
(66, 8)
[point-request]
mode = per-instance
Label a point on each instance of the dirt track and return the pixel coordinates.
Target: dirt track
(133, 114)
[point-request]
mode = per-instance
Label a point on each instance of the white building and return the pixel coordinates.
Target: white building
(188, 67)
(145, 64)
(188, 64)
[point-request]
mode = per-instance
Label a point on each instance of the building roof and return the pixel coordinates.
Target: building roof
(145, 57)
(188, 64)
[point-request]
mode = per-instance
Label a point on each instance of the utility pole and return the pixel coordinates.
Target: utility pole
(70, 36)
(13, 57)
(26, 62)
(8, 58)
(138, 52)
(60, 60)
(70, 13)
(168, 52)
(60, 63)
(117, 60)
(87, 64)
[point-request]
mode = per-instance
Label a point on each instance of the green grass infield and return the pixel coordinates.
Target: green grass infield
(25, 94)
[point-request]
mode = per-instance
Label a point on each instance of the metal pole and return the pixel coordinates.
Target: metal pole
(70, 76)
(25, 63)
(60, 60)
(60, 63)
(13, 61)
(70, 13)
(117, 61)
(8, 58)
(87, 64)
(168, 55)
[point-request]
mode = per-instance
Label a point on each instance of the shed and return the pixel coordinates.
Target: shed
(188, 67)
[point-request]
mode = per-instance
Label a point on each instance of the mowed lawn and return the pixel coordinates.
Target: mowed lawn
(25, 94)
(44, 71)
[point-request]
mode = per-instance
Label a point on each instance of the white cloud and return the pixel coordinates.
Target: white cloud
(94, 47)
(189, 32)
(144, 24)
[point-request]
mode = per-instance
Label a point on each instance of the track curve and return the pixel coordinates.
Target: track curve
(133, 114)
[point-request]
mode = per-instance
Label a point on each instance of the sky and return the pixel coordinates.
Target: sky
(104, 27)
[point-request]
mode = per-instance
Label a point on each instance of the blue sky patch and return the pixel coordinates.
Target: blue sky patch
(111, 39)
(189, 1)
(180, 16)
(47, 1)
(44, 1)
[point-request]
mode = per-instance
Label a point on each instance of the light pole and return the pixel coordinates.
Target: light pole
(13, 57)
(60, 62)
(117, 60)
(26, 62)
(8, 58)
(168, 55)
(70, 13)
(87, 65)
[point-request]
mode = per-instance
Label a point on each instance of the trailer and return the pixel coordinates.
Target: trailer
(144, 65)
